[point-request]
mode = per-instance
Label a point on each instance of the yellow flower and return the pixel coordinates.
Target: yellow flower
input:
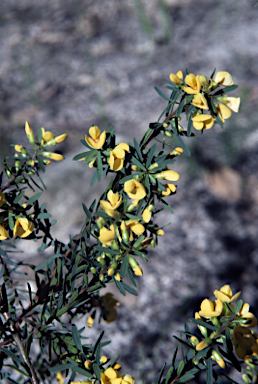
(116, 159)
(224, 78)
(146, 215)
(2, 199)
(218, 358)
(244, 341)
(224, 112)
(107, 235)
(210, 309)
(169, 188)
(60, 378)
(225, 294)
(18, 148)
(194, 84)
(3, 233)
(90, 321)
(232, 102)
(168, 175)
(135, 227)
(134, 189)
(200, 101)
(178, 78)
(28, 129)
(177, 151)
(138, 270)
(23, 227)
(96, 140)
(202, 121)
(160, 232)
(53, 156)
(114, 201)
(109, 303)
(244, 312)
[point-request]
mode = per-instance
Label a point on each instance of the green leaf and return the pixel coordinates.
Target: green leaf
(219, 121)
(206, 325)
(40, 134)
(129, 289)
(169, 375)
(11, 355)
(159, 376)
(238, 306)
(180, 367)
(120, 287)
(209, 371)
(94, 178)
(81, 371)
(82, 155)
(167, 206)
(131, 277)
(88, 213)
(124, 267)
(18, 197)
(180, 107)
(76, 337)
(44, 216)
(61, 367)
(150, 155)
(137, 148)
(10, 220)
(47, 261)
(33, 198)
(97, 372)
(138, 241)
(99, 166)
(162, 94)
(138, 164)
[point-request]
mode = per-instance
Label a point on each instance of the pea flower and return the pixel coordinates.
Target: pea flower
(225, 294)
(117, 156)
(232, 102)
(107, 235)
(110, 206)
(245, 342)
(202, 121)
(194, 84)
(2, 199)
(111, 375)
(135, 227)
(23, 227)
(244, 312)
(168, 175)
(210, 309)
(134, 189)
(50, 139)
(178, 78)
(169, 188)
(200, 101)
(224, 78)
(3, 233)
(29, 133)
(109, 303)
(224, 112)
(60, 378)
(90, 321)
(96, 140)
(53, 156)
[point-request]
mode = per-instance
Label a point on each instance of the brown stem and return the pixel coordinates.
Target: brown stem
(20, 346)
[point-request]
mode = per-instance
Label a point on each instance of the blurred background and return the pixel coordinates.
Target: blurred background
(68, 64)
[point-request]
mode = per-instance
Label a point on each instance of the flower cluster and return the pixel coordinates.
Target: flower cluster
(224, 315)
(205, 96)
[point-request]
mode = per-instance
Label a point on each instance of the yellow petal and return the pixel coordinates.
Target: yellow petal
(233, 103)
(90, 322)
(28, 128)
(224, 78)
(146, 215)
(3, 233)
(115, 163)
(123, 146)
(107, 235)
(134, 189)
(23, 227)
(61, 138)
(110, 373)
(138, 271)
(47, 136)
(224, 111)
(170, 175)
(200, 101)
(172, 187)
(94, 132)
(175, 79)
(194, 84)
(137, 228)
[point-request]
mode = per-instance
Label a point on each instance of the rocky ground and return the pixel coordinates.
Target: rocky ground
(66, 65)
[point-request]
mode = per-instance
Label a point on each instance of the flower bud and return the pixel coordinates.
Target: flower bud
(117, 277)
(101, 222)
(87, 364)
(194, 341)
(152, 166)
(29, 133)
(93, 270)
(201, 345)
(103, 360)
(218, 358)
(90, 321)
(114, 245)
(61, 138)
(168, 133)
(52, 156)
(152, 244)
(246, 378)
